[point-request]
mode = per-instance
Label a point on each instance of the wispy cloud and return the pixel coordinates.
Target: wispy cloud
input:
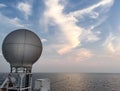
(111, 48)
(0, 54)
(16, 22)
(44, 40)
(73, 33)
(82, 54)
(102, 3)
(2, 5)
(25, 8)
(66, 24)
(112, 43)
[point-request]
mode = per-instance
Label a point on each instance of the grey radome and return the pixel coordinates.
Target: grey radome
(22, 48)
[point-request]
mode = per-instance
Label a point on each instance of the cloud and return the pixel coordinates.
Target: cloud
(9, 22)
(102, 3)
(25, 8)
(90, 36)
(112, 47)
(2, 5)
(67, 25)
(0, 54)
(83, 54)
(112, 43)
(76, 61)
(44, 40)
(16, 21)
(74, 34)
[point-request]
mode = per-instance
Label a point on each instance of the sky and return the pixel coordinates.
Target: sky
(77, 35)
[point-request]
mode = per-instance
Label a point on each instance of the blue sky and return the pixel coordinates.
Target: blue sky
(77, 35)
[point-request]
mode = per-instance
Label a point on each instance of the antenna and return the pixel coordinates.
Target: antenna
(21, 48)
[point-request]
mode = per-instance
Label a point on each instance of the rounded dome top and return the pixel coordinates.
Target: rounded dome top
(22, 48)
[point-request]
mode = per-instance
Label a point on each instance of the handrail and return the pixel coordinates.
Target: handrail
(6, 80)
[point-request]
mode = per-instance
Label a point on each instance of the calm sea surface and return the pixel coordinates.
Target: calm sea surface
(79, 82)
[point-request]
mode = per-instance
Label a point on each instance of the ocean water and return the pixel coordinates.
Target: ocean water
(79, 82)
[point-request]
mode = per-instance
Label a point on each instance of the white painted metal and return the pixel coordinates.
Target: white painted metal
(22, 48)
(16, 86)
(42, 85)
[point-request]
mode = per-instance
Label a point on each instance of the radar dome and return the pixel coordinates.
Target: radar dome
(22, 48)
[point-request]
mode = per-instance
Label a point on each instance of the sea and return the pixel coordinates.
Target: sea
(78, 81)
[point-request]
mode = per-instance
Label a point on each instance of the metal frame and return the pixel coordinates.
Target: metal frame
(22, 74)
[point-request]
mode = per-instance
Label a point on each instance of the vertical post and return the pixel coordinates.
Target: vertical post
(7, 85)
(10, 69)
(21, 80)
(28, 79)
(21, 84)
(31, 82)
